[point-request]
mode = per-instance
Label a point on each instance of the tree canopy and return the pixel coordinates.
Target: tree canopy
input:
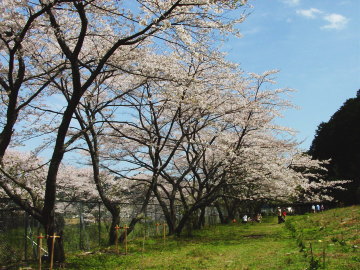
(339, 140)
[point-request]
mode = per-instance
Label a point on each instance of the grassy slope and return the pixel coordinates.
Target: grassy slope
(333, 235)
(251, 246)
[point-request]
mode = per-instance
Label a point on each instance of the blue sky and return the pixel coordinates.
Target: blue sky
(316, 46)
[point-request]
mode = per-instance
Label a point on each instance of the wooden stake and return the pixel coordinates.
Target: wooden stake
(116, 238)
(54, 236)
(39, 248)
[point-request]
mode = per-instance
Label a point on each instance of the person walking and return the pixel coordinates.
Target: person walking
(279, 215)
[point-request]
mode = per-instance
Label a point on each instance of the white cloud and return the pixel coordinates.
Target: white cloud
(291, 2)
(309, 13)
(335, 21)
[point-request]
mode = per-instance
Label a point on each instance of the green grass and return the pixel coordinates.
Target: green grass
(333, 235)
(252, 246)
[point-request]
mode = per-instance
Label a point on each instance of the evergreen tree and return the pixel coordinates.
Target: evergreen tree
(339, 140)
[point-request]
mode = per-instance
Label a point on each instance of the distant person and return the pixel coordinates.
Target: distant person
(313, 208)
(283, 215)
(322, 208)
(244, 219)
(279, 215)
(317, 208)
(258, 218)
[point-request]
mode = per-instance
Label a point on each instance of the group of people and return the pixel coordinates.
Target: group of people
(281, 214)
(317, 208)
(256, 218)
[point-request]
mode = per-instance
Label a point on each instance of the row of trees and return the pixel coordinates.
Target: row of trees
(140, 96)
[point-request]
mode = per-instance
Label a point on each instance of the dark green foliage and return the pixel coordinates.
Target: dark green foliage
(339, 140)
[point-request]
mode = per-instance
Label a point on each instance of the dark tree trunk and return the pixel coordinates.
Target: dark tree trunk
(231, 214)
(169, 214)
(220, 213)
(136, 219)
(187, 216)
(11, 117)
(131, 227)
(57, 156)
(183, 221)
(172, 216)
(56, 227)
(5, 138)
(201, 219)
(115, 220)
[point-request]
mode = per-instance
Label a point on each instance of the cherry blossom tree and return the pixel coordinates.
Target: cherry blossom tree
(91, 114)
(147, 96)
(215, 147)
(84, 37)
(177, 125)
(26, 63)
(220, 146)
(103, 33)
(150, 141)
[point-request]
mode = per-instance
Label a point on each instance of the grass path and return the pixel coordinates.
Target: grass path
(255, 246)
(334, 233)
(251, 246)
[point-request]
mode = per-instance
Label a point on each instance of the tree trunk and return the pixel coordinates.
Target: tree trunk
(201, 219)
(50, 189)
(172, 216)
(131, 227)
(136, 219)
(168, 214)
(55, 226)
(221, 216)
(115, 220)
(231, 215)
(5, 138)
(183, 221)
(11, 116)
